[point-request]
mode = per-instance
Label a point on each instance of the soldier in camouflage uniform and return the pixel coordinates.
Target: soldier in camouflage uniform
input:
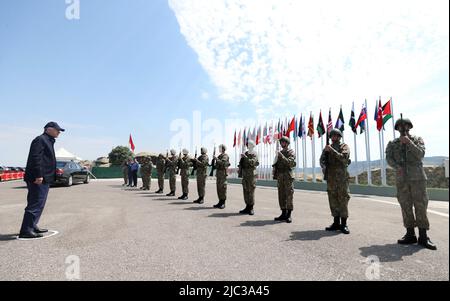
(124, 167)
(334, 161)
(247, 165)
(202, 163)
(222, 164)
(160, 169)
(171, 164)
(146, 172)
(185, 163)
(284, 174)
(405, 155)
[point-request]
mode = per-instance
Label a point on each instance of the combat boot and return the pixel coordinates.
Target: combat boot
(172, 193)
(222, 205)
(250, 210)
(218, 204)
(199, 200)
(288, 216)
(182, 196)
(282, 217)
(425, 241)
(185, 197)
(409, 238)
(334, 226)
(344, 228)
(245, 210)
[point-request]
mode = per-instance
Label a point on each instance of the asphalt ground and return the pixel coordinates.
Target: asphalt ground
(120, 233)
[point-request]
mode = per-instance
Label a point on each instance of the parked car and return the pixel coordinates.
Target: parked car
(69, 172)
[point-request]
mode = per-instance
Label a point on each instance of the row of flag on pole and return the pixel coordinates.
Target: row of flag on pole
(270, 133)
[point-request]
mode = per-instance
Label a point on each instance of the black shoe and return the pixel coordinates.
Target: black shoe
(288, 216)
(30, 235)
(344, 229)
(250, 211)
(334, 226)
(181, 197)
(282, 217)
(39, 230)
(185, 197)
(217, 205)
(220, 205)
(425, 241)
(409, 238)
(199, 201)
(171, 194)
(161, 191)
(245, 210)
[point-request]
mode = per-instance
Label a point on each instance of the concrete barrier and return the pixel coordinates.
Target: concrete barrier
(388, 191)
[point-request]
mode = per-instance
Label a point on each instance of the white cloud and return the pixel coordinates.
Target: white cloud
(204, 95)
(296, 56)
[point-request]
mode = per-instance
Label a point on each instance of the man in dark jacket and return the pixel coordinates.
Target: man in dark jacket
(40, 173)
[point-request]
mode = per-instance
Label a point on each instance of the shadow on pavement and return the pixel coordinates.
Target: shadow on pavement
(312, 234)
(199, 208)
(19, 187)
(8, 237)
(259, 223)
(224, 214)
(166, 199)
(390, 252)
(181, 203)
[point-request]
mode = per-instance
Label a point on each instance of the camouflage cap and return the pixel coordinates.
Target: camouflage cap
(403, 121)
(223, 146)
(336, 132)
(285, 139)
(204, 150)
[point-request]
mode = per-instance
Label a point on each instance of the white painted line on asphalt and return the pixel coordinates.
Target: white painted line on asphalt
(398, 205)
(53, 233)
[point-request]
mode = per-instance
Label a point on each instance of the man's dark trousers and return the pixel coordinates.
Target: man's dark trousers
(36, 198)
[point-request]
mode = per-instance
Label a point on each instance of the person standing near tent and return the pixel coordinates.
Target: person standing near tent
(124, 167)
(40, 173)
(405, 155)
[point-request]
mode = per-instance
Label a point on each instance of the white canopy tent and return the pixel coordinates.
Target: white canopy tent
(64, 155)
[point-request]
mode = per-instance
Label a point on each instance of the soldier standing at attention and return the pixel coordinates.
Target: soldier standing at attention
(335, 159)
(222, 164)
(284, 174)
(248, 163)
(160, 168)
(171, 163)
(125, 172)
(146, 172)
(202, 163)
(185, 163)
(405, 155)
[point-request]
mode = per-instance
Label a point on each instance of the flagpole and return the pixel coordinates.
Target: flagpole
(356, 158)
(369, 170)
(393, 122)
(313, 152)
(383, 169)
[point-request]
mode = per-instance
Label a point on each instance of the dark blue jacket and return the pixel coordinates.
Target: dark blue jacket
(41, 161)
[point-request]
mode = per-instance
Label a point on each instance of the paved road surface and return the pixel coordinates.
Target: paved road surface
(127, 234)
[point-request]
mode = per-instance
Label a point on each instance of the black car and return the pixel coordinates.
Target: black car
(69, 172)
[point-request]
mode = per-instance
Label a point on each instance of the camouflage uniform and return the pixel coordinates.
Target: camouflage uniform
(222, 164)
(146, 172)
(249, 174)
(284, 174)
(171, 164)
(185, 164)
(410, 180)
(202, 168)
(160, 168)
(125, 172)
(338, 178)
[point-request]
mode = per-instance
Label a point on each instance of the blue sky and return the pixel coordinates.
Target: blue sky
(136, 66)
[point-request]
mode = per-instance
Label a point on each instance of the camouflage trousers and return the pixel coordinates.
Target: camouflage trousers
(285, 191)
(172, 181)
(201, 183)
(338, 198)
(185, 182)
(249, 186)
(161, 180)
(221, 183)
(125, 176)
(146, 180)
(413, 194)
